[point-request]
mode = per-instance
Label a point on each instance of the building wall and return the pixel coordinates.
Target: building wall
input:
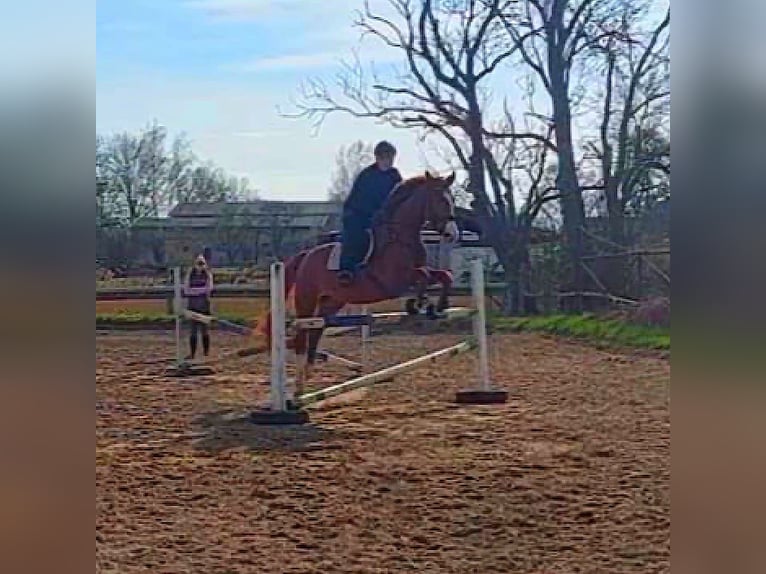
(236, 246)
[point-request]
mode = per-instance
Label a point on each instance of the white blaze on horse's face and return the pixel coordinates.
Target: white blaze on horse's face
(451, 232)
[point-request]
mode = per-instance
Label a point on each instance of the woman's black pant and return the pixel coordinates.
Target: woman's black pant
(197, 326)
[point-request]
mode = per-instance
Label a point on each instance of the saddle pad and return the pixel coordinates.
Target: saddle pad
(333, 261)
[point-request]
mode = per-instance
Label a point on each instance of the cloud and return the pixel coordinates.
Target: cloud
(128, 26)
(316, 60)
(246, 10)
(259, 135)
(231, 9)
(289, 62)
(237, 126)
(318, 33)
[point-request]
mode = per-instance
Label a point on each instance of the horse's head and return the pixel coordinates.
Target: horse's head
(440, 207)
(420, 200)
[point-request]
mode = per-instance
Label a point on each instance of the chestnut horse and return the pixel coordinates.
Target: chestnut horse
(396, 264)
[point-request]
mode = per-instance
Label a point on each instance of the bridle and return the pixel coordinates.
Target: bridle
(447, 198)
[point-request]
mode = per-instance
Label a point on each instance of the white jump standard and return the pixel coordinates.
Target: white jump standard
(485, 394)
(281, 410)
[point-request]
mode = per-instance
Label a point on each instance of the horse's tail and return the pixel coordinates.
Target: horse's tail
(291, 271)
(292, 266)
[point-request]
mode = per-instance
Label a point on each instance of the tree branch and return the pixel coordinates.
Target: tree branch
(547, 142)
(632, 88)
(426, 15)
(574, 21)
(450, 138)
(648, 101)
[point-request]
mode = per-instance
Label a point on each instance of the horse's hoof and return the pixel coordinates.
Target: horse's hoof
(412, 307)
(250, 351)
(260, 345)
(433, 312)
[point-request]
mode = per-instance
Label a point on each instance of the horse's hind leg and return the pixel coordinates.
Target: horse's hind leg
(305, 305)
(327, 308)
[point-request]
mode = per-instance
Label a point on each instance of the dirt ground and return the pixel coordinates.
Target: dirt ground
(572, 475)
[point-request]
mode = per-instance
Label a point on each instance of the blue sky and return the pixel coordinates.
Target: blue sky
(218, 69)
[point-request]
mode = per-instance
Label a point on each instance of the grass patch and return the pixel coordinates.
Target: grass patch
(590, 327)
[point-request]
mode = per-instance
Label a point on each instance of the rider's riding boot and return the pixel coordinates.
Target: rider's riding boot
(345, 277)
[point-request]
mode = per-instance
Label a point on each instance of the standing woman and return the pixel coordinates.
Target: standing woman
(199, 285)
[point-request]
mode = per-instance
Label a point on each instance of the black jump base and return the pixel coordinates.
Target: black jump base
(189, 370)
(271, 417)
(481, 397)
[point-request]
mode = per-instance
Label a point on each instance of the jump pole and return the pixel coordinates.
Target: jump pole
(209, 319)
(485, 394)
(383, 375)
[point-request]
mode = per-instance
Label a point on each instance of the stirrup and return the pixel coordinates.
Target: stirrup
(345, 278)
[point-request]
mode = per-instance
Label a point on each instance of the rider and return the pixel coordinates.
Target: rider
(368, 194)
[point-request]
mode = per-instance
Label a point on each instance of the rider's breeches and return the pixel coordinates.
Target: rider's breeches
(354, 243)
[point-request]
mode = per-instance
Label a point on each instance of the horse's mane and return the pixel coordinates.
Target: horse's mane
(400, 193)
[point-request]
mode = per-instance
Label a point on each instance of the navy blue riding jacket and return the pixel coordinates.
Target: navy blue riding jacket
(369, 193)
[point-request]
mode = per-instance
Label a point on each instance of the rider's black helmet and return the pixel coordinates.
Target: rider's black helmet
(384, 148)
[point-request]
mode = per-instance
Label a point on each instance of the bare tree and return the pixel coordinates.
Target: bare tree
(136, 176)
(180, 165)
(130, 169)
(632, 152)
(636, 85)
(349, 162)
(234, 231)
(649, 158)
(449, 50)
(107, 211)
(551, 37)
(208, 183)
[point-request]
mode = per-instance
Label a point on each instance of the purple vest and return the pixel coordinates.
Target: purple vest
(198, 303)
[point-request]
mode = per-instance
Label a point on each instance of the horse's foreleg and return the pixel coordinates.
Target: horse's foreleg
(444, 278)
(421, 278)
